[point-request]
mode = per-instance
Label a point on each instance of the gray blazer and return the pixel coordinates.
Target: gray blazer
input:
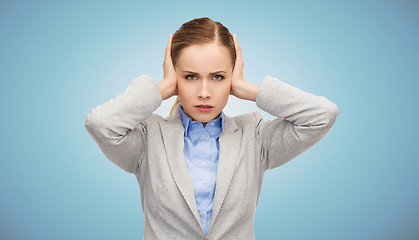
(151, 147)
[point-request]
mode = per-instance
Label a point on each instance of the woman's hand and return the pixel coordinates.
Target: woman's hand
(240, 88)
(168, 86)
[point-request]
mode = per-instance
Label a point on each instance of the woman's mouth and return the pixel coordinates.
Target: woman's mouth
(204, 108)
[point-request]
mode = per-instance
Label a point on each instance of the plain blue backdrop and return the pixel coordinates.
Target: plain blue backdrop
(60, 60)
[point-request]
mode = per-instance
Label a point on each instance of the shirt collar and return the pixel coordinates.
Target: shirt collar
(187, 121)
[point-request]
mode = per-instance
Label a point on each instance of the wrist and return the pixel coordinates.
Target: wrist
(165, 90)
(246, 91)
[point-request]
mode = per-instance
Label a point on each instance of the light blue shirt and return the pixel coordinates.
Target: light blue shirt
(201, 155)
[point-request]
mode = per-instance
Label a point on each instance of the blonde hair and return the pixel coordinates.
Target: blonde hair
(200, 31)
(174, 106)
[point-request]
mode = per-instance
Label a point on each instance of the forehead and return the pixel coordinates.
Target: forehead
(204, 58)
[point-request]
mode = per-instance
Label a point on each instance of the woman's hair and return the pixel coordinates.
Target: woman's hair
(200, 31)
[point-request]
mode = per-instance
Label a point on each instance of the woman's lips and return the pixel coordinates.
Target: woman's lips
(204, 108)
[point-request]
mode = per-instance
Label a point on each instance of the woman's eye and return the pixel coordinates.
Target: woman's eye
(193, 77)
(219, 77)
(188, 77)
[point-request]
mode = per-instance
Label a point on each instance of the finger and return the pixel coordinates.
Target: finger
(238, 48)
(169, 46)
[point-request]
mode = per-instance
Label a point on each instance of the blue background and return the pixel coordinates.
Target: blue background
(60, 60)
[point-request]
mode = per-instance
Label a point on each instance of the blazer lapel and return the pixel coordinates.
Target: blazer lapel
(229, 151)
(173, 137)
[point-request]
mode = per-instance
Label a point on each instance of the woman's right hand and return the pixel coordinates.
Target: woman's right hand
(168, 86)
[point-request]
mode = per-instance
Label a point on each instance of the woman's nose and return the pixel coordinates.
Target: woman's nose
(204, 91)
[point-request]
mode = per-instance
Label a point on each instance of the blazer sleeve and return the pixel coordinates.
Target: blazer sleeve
(303, 119)
(118, 125)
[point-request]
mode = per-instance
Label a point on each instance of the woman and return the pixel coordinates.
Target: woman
(200, 172)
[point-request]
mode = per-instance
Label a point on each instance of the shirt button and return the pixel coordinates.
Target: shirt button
(201, 213)
(212, 124)
(204, 163)
(204, 136)
(204, 182)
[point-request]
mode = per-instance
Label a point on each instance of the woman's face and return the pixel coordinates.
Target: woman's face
(204, 80)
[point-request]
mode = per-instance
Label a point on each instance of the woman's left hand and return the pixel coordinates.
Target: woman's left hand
(240, 88)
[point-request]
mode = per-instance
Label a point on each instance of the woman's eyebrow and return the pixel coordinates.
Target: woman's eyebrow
(199, 74)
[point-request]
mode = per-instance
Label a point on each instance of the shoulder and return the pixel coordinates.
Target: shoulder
(155, 118)
(248, 120)
(151, 121)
